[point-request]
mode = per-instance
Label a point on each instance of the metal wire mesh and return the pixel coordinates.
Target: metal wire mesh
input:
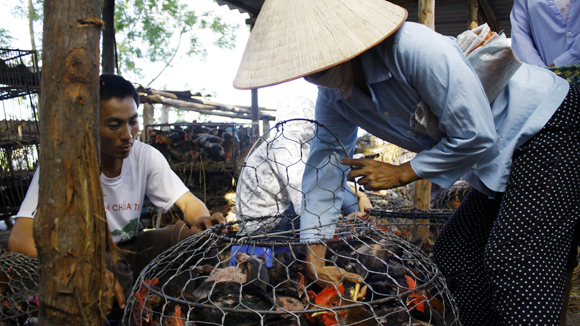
(200, 282)
(259, 275)
(206, 146)
(205, 156)
(19, 129)
(18, 289)
(450, 198)
(418, 226)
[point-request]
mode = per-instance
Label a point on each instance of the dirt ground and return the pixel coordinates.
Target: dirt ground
(572, 319)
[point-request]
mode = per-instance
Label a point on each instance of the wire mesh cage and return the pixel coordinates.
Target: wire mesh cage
(19, 284)
(418, 226)
(205, 156)
(19, 129)
(261, 273)
(202, 281)
(421, 227)
(207, 146)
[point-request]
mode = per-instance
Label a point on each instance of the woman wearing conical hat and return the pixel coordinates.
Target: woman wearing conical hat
(504, 251)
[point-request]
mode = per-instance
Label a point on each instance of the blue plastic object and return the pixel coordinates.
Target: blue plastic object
(265, 252)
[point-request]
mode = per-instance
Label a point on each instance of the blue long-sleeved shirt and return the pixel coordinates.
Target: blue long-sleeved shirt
(541, 36)
(478, 139)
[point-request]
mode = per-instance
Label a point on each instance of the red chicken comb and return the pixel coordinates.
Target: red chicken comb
(325, 294)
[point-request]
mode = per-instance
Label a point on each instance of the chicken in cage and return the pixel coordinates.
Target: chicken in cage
(198, 282)
(19, 285)
(420, 227)
(265, 274)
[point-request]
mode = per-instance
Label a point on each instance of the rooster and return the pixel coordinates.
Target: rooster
(332, 297)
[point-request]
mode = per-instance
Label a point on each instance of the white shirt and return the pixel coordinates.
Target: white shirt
(145, 172)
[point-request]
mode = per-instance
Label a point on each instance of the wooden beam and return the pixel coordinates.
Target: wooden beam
(472, 8)
(490, 15)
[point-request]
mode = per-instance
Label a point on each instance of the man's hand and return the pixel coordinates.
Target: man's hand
(377, 175)
(206, 222)
(114, 289)
(316, 269)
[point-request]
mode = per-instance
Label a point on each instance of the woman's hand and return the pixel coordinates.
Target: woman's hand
(377, 175)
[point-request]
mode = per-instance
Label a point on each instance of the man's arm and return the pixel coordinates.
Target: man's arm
(21, 239)
(192, 208)
(196, 214)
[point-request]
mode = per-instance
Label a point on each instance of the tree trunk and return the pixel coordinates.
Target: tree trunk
(31, 24)
(70, 228)
(109, 44)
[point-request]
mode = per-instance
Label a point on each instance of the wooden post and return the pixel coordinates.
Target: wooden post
(148, 118)
(70, 228)
(108, 60)
(427, 13)
(472, 8)
(255, 109)
(422, 189)
(165, 114)
(255, 113)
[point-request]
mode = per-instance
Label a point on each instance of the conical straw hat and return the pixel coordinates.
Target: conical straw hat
(294, 38)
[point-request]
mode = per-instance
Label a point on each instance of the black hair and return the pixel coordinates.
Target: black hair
(115, 86)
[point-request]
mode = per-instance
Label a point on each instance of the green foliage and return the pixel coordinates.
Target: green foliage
(5, 38)
(153, 29)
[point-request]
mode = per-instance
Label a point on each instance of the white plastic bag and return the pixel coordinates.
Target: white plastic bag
(491, 56)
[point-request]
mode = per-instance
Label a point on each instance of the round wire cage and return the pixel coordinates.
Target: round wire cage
(19, 285)
(257, 272)
(271, 178)
(421, 227)
(216, 279)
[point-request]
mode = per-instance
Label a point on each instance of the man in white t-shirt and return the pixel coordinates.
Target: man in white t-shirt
(129, 171)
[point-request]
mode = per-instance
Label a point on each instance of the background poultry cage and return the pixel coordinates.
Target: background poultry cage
(19, 284)
(418, 226)
(19, 129)
(206, 156)
(259, 275)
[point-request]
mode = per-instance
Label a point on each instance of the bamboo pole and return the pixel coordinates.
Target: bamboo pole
(427, 13)
(208, 107)
(422, 189)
